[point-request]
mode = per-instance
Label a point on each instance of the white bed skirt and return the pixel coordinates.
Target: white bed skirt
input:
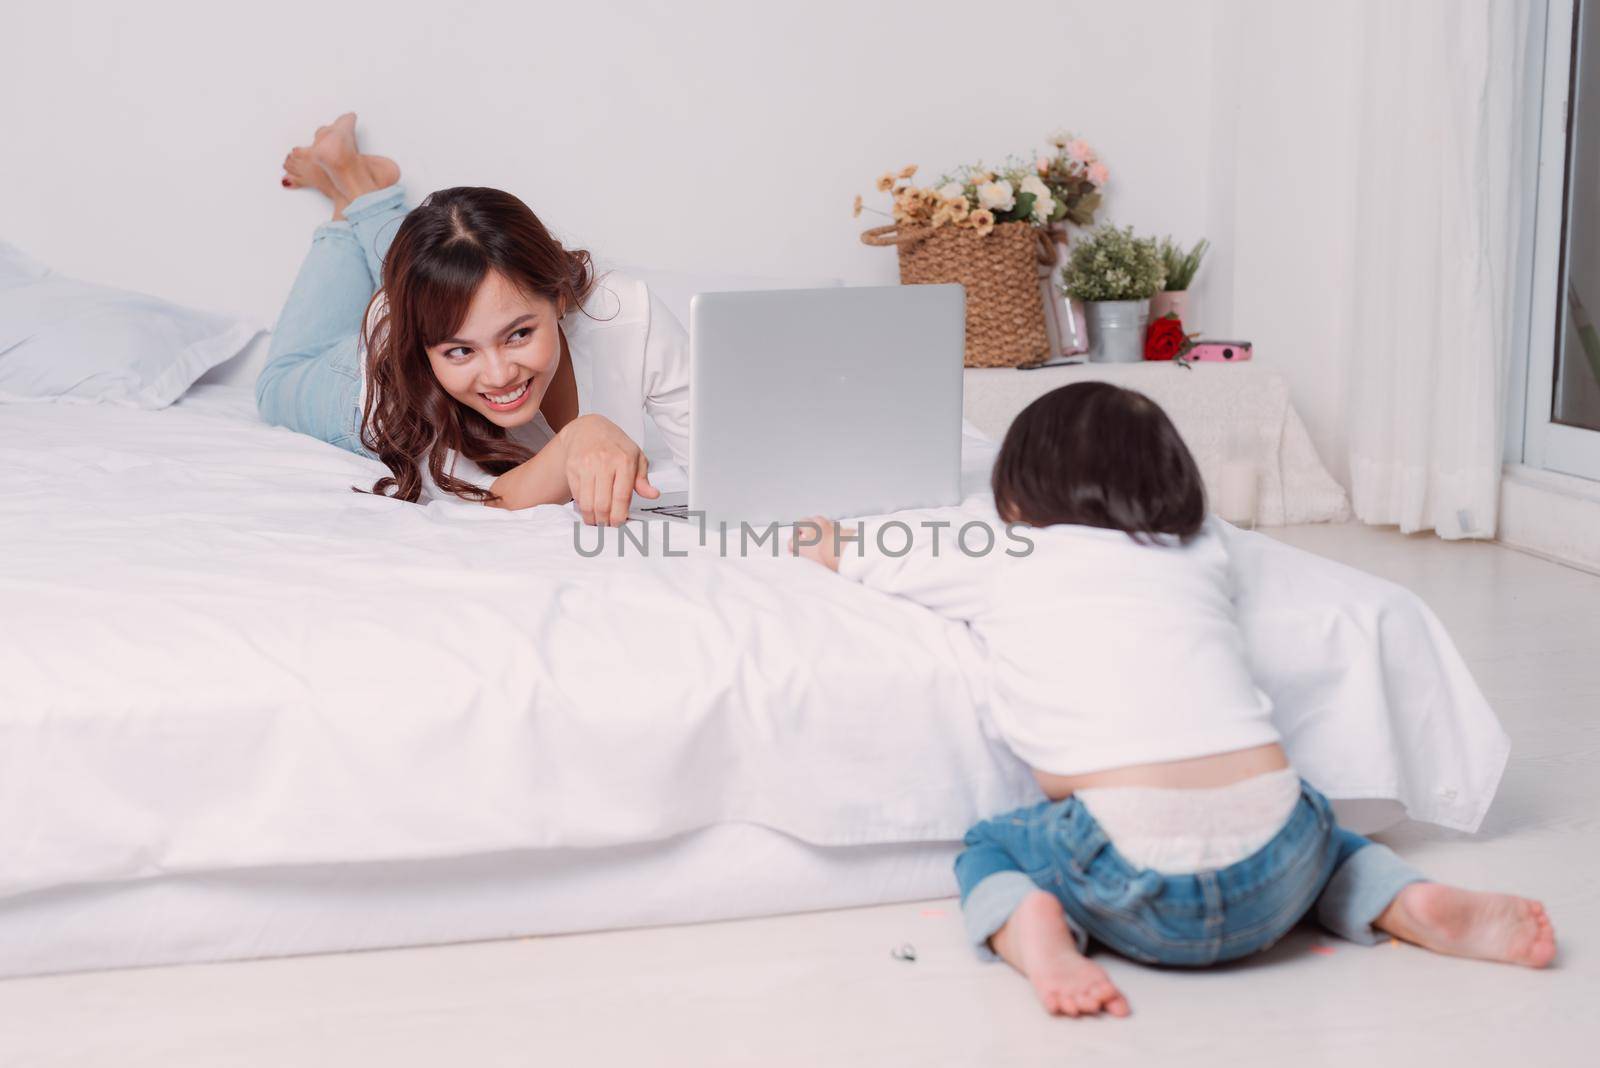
(727, 872)
(730, 871)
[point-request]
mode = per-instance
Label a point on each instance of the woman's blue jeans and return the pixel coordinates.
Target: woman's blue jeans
(312, 380)
(1210, 916)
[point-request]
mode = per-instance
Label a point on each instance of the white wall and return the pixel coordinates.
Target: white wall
(142, 142)
(717, 136)
(1289, 200)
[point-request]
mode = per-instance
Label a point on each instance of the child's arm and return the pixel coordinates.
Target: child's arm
(943, 560)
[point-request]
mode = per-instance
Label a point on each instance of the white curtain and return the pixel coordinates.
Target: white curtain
(1436, 217)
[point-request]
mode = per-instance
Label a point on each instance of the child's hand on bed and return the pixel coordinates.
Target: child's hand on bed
(817, 538)
(604, 469)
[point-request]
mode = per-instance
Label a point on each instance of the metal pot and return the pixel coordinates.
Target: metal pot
(1116, 330)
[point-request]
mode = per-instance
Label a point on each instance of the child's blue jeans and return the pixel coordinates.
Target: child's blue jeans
(312, 380)
(1210, 916)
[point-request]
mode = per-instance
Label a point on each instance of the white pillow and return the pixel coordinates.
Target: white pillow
(66, 340)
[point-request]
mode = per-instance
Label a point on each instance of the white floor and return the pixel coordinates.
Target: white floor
(823, 989)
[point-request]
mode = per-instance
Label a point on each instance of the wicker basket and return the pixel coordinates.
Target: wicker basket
(1005, 315)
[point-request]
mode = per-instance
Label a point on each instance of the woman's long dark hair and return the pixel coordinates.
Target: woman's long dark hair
(441, 254)
(1098, 455)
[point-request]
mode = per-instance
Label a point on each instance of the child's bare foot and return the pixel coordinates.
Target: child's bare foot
(1036, 942)
(1466, 923)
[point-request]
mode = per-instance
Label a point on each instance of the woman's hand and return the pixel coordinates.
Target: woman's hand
(817, 538)
(604, 468)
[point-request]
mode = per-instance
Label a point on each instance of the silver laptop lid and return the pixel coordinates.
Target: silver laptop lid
(838, 402)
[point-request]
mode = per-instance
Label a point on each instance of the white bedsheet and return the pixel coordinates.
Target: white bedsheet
(214, 656)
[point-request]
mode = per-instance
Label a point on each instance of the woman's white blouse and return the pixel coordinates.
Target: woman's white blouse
(630, 358)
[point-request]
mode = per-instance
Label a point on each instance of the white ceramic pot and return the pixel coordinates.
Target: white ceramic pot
(1172, 300)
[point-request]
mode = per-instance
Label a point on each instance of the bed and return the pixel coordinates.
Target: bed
(245, 712)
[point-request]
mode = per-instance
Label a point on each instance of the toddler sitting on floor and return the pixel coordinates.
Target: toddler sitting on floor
(1176, 832)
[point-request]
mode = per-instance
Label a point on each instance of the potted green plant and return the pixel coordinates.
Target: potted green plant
(1181, 267)
(1115, 274)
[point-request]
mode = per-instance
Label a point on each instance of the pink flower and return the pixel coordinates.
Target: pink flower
(1098, 174)
(1080, 151)
(1042, 164)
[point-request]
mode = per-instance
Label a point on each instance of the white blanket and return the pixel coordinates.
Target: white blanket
(214, 655)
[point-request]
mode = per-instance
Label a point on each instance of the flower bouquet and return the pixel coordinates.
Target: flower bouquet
(991, 229)
(1063, 186)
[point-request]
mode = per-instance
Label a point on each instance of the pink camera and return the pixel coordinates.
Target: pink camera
(1220, 351)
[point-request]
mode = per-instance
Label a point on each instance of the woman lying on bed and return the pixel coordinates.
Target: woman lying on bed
(492, 364)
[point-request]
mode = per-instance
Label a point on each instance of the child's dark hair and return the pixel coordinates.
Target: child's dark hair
(1097, 455)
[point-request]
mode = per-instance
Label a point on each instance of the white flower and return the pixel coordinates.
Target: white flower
(997, 196)
(1042, 207)
(1035, 185)
(1060, 138)
(950, 190)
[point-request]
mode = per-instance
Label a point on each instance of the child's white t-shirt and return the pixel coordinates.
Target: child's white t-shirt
(1103, 652)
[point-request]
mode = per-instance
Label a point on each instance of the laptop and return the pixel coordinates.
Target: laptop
(836, 402)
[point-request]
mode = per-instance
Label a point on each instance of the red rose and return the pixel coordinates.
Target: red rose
(1164, 338)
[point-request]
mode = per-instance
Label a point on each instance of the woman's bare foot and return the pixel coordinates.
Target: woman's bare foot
(1036, 942)
(302, 171)
(1466, 923)
(384, 170)
(334, 148)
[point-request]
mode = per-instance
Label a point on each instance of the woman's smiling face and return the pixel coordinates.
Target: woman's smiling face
(502, 357)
